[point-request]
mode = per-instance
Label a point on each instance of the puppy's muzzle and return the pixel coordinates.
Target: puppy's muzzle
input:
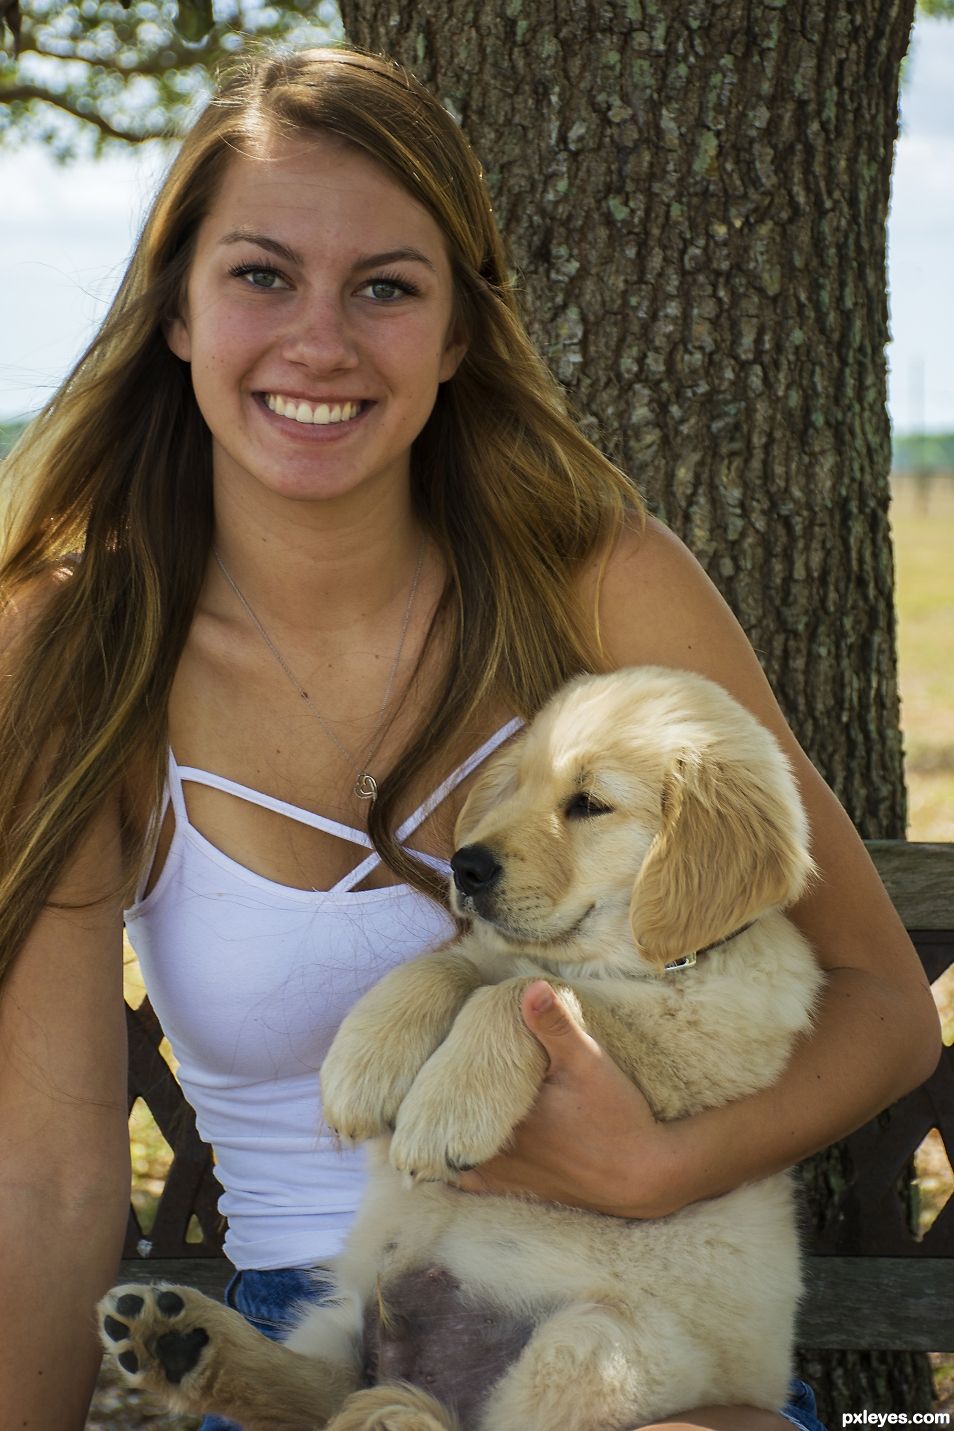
(477, 872)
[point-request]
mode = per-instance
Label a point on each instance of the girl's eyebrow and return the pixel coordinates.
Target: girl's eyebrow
(281, 250)
(395, 255)
(290, 255)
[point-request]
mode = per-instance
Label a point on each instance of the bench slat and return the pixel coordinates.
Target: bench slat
(920, 880)
(852, 1303)
(878, 1304)
(206, 1274)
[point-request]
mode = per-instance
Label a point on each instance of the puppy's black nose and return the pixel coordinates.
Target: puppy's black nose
(475, 869)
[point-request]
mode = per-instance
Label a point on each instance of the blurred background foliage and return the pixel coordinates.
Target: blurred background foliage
(78, 75)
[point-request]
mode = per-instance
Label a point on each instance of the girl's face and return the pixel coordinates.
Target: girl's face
(318, 323)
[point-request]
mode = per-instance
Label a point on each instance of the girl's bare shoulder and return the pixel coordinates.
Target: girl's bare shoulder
(657, 606)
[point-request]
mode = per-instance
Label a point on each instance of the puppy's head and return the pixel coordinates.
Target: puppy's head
(643, 815)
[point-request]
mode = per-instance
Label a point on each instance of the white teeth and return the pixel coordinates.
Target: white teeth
(320, 415)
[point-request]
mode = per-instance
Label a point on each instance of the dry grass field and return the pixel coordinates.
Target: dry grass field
(923, 523)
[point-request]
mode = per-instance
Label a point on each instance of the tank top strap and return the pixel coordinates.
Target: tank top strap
(354, 877)
(178, 774)
(454, 779)
(176, 796)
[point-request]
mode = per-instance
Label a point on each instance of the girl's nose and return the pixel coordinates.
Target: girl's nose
(320, 336)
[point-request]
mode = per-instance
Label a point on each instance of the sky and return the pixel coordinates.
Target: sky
(66, 234)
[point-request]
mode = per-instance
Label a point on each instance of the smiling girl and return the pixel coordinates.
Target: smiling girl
(304, 535)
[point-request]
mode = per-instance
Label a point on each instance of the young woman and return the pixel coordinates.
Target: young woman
(304, 533)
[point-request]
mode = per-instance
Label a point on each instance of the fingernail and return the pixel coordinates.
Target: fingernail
(542, 1000)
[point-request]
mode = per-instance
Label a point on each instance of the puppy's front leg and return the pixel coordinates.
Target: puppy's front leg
(386, 1038)
(473, 1091)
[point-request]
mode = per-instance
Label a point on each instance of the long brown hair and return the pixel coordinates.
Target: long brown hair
(112, 488)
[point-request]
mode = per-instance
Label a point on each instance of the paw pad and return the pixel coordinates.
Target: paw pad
(116, 1331)
(179, 1351)
(140, 1331)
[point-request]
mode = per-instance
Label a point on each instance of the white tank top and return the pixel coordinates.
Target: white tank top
(250, 980)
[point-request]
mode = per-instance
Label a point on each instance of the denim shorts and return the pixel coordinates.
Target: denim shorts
(800, 1407)
(271, 1301)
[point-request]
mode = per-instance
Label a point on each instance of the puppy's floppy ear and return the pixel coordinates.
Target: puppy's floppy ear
(498, 780)
(732, 844)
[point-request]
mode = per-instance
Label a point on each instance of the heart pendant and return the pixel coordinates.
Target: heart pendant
(365, 787)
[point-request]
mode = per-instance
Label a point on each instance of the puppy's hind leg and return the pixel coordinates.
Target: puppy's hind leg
(394, 1407)
(197, 1356)
(588, 1368)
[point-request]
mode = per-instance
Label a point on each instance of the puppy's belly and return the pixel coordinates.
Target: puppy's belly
(423, 1330)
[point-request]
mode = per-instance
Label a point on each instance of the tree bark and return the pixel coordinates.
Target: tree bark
(694, 193)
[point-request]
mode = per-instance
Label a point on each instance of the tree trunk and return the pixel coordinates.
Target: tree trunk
(695, 193)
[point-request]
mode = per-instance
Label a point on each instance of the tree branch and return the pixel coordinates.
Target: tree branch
(158, 64)
(28, 92)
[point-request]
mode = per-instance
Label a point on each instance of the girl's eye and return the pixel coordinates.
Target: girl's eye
(387, 290)
(257, 276)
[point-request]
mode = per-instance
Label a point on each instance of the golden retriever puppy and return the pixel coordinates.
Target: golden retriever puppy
(636, 847)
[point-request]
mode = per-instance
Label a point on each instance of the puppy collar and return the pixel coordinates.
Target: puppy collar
(688, 961)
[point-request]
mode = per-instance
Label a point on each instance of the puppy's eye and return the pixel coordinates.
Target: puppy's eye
(584, 806)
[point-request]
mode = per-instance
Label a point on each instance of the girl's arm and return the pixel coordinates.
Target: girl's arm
(64, 1168)
(877, 1033)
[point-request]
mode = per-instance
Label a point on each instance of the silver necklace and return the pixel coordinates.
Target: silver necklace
(365, 786)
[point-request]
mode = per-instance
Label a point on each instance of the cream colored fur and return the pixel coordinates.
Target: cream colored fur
(702, 832)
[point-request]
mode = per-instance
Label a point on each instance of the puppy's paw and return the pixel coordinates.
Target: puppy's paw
(361, 1091)
(392, 1408)
(443, 1130)
(160, 1338)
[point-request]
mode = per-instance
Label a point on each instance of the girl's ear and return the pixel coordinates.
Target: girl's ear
(179, 339)
(454, 351)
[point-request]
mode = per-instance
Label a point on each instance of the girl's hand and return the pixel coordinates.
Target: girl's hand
(591, 1140)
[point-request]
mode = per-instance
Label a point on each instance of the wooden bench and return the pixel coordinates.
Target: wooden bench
(872, 1284)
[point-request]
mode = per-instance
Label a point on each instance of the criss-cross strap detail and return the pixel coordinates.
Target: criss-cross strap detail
(179, 774)
(428, 807)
